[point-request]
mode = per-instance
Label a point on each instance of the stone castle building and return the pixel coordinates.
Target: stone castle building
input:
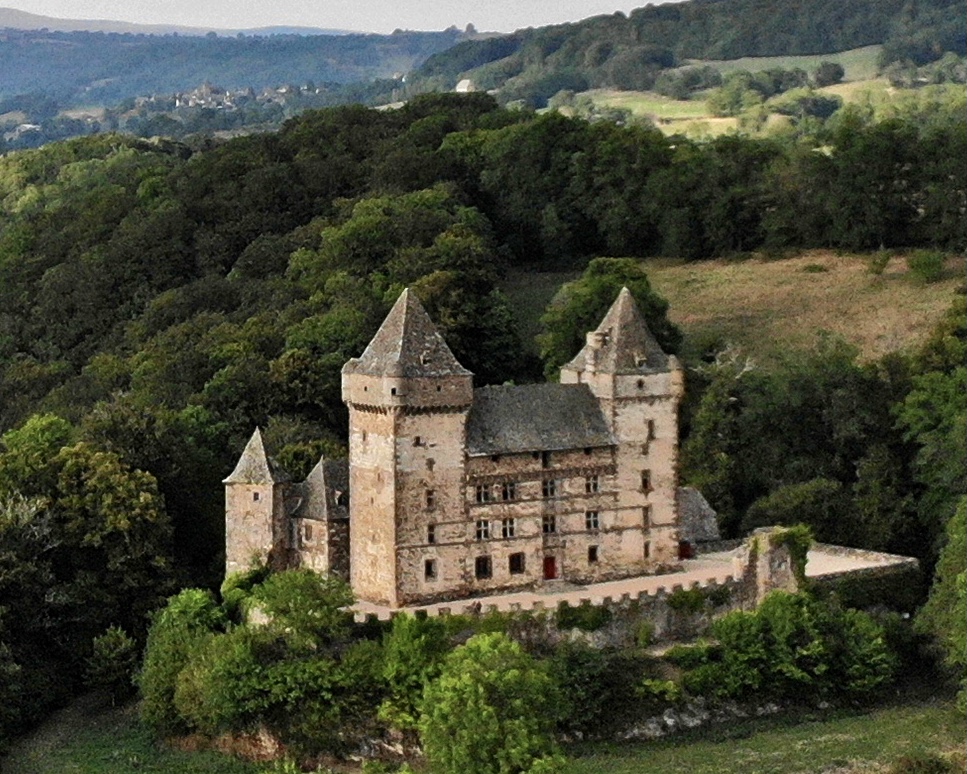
(451, 491)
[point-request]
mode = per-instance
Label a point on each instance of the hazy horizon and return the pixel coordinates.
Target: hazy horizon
(381, 16)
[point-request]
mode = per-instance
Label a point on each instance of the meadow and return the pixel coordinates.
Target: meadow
(769, 308)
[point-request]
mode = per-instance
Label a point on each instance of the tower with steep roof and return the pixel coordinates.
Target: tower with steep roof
(408, 400)
(639, 388)
(256, 524)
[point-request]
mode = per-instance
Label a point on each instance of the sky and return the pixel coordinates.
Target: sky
(362, 15)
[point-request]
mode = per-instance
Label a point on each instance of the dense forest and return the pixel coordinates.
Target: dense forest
(630, 52)
(159, 301)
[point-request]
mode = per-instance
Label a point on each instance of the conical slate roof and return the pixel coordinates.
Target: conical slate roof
(254, 466)
(624, 343)
(407, 344)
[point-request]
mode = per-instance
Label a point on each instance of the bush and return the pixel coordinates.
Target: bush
(492, 710)
(593, 683)
(177, 631)
(926, 265)
(878, 262)
(687, 600)
(113, 663)
(586, 617)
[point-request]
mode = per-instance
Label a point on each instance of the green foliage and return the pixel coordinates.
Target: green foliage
(414, 650)
(307, 606)
(798, 539)
(944, 616)
(819, 503)
(580, 306)
(586, 617)
(490, 711)
(177, 633)
(113, 663)
(902, 591)
(594, 687)
(828, 73)
(927, 265)
(793, 646)
(657, 695)
(687, 600)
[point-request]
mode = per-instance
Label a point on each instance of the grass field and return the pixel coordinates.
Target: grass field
(860, 64)
(768, 308)
(87, 738)
(857, 744)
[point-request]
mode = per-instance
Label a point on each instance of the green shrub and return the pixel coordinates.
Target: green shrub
(586, 617)
(177, 631)
(691, 656)
(718, 596)
(112, 664)
(592, 685)
(926, 265)
(687, 600)
(878, 262)
(413, 653)
(657, 695)
(644, 634)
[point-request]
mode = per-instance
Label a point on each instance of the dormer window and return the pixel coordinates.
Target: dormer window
(392, 391)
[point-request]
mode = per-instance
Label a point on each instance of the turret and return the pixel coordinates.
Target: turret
(639, 388)
(255, 521)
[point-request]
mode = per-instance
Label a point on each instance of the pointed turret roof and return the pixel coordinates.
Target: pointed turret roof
(255, 466)
(622, 342)
(325, 492)
(407, 344)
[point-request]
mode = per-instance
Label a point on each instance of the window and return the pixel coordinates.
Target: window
(651, 429)
(545, 459)
(417, 441)
(592, 554)
(646, 517)
(431, 533)
(392, 391)
(549, 487)
(483, 530)
(430, 498)
(430, 462)
(591, 484)
(641, 384)
(429, 569)
(307, 532)
(647, 549)
(592, 520)
(256, 496)
(482, 567)
(483, 493)
(549, 524)
(508, 527)
(508, 490)
(646, 481)
(516, 564)
(587, 451)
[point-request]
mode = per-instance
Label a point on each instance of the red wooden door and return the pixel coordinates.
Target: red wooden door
(550, 568)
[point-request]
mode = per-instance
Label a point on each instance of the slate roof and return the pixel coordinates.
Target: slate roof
(407, 344)
(535, 417)
(627, 346)
(255, 466)
(697, 520)
(325, 492)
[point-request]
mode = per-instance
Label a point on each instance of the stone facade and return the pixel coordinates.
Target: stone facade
(457, 492)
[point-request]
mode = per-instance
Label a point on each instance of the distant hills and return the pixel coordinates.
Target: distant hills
(628, 52)
(22, 20)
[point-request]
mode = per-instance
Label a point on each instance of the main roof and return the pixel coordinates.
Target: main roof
(535, 417)
(624, 343)
(407, 344)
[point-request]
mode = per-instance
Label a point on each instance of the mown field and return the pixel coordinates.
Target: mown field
(860, 64)
(865, 743)
(769, 308)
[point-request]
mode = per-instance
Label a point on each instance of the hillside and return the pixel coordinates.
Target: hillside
(629, 52)
(92, 68)
(770, 309)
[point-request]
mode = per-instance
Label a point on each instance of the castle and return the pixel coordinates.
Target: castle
(451, 491)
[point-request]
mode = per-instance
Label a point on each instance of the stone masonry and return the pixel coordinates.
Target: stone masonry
(452, 492)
